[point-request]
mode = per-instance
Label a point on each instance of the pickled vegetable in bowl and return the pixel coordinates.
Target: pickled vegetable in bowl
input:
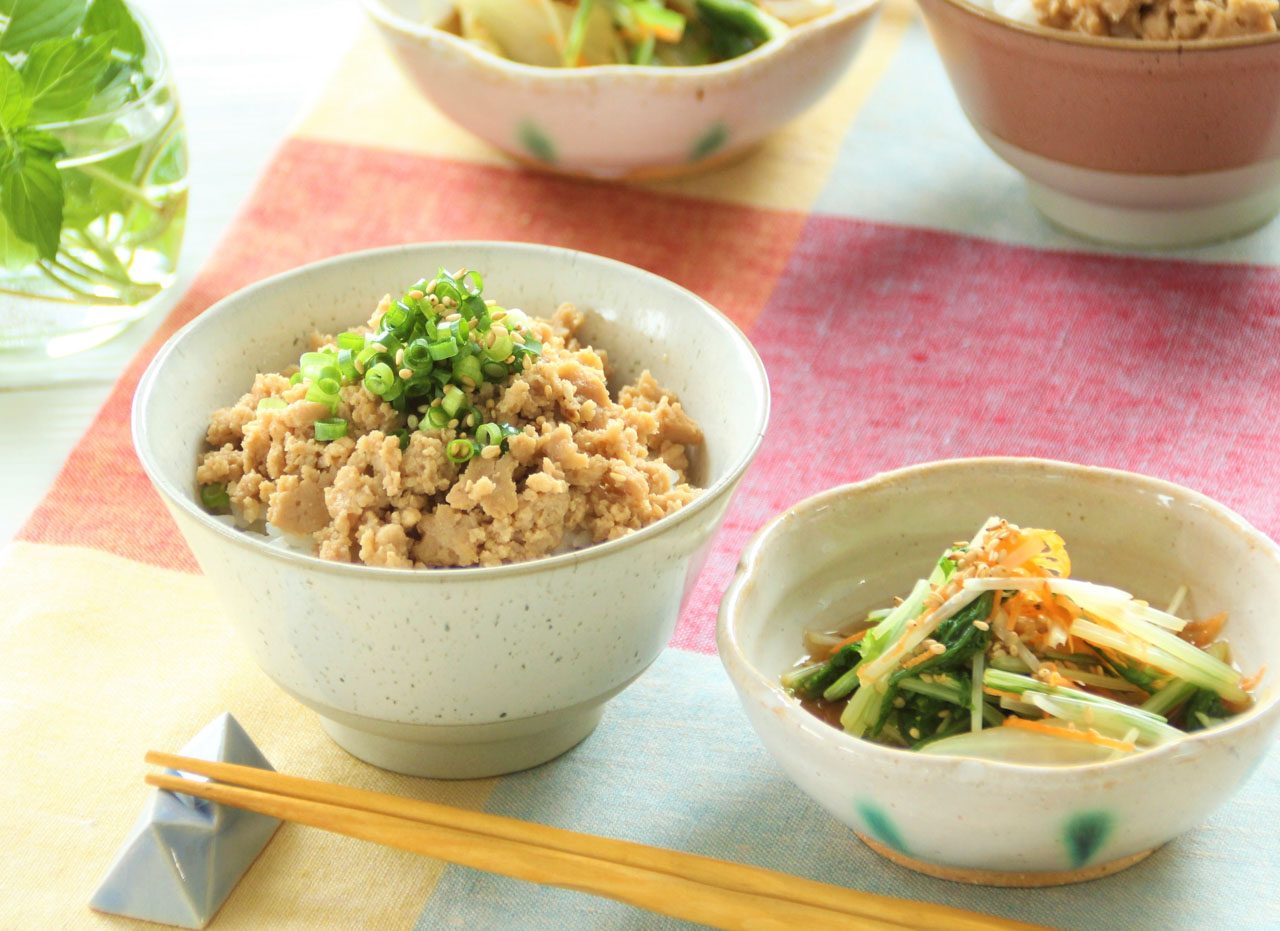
(557, 33)
(999, 654)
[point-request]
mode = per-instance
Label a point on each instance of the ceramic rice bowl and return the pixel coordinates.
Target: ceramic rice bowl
(849, 549)
(621, 121)
(456, 672)
(1149, 144)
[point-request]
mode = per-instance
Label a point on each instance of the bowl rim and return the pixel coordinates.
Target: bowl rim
(141, 432)
(383, 16)
(1107, 43)
(747, 677)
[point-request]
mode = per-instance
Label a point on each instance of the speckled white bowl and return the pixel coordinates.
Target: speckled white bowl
(457, 672)
(849, 549)
(616, 121)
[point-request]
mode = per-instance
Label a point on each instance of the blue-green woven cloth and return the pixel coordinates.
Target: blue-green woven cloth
(675, 763)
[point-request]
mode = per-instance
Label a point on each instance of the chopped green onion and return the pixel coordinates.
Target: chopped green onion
(317, 365)
(452, 400)
(295, 378)
(437, 418)
(447, 288)
(352, 341)
(473, 283)
(379, 379)
(397, 315)
(324, 391)
(488, 434)
(347, 366)
(460, 450)
(365, 356)
(214, 497)
(390, 341)
(502, 346)
(443, 349)
(467, 367)
(417, 354)
(330, 429)
(494, 371)
(272, 404)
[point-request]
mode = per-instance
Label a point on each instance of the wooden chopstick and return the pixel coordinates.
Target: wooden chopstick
(687, 886)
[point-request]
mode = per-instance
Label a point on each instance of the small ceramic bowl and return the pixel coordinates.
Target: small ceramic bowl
(847, 550)
(1149, 144)
(456, 672)
(621, 121)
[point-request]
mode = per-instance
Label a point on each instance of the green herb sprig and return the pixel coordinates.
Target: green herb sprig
(60, 60)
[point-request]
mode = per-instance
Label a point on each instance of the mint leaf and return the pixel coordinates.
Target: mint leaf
(61, 75)
(113, 16)
(31, 196)
(33, 20)
(41, 142)
(15, 252)
(14, 102)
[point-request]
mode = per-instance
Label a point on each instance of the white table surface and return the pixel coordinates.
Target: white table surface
(245, 70)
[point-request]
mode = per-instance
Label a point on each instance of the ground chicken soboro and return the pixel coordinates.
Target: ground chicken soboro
(1162, 19)
(586, 467)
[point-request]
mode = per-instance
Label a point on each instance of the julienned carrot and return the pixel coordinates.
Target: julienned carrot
(1090, 737)
(999, 694)
(1254, 680)
(1204, 632)
(852, 638)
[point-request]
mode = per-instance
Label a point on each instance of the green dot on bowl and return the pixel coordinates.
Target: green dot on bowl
(881, 826)
(537, 143)
(710, 141)
(1084, 834)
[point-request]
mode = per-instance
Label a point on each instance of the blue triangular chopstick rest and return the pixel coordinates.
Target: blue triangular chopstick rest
(184, 854)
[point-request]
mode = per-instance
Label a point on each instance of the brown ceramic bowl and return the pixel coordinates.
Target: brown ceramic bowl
(1125, 141)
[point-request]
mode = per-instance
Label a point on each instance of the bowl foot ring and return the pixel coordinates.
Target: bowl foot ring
(1007, 878)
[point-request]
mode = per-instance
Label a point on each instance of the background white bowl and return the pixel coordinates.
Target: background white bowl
(457, 672)
(615, 121)
(849, 549)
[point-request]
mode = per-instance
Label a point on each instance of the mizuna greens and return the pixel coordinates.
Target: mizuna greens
(1000, 654)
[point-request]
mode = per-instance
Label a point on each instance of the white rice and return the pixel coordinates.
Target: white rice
(275, 537)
